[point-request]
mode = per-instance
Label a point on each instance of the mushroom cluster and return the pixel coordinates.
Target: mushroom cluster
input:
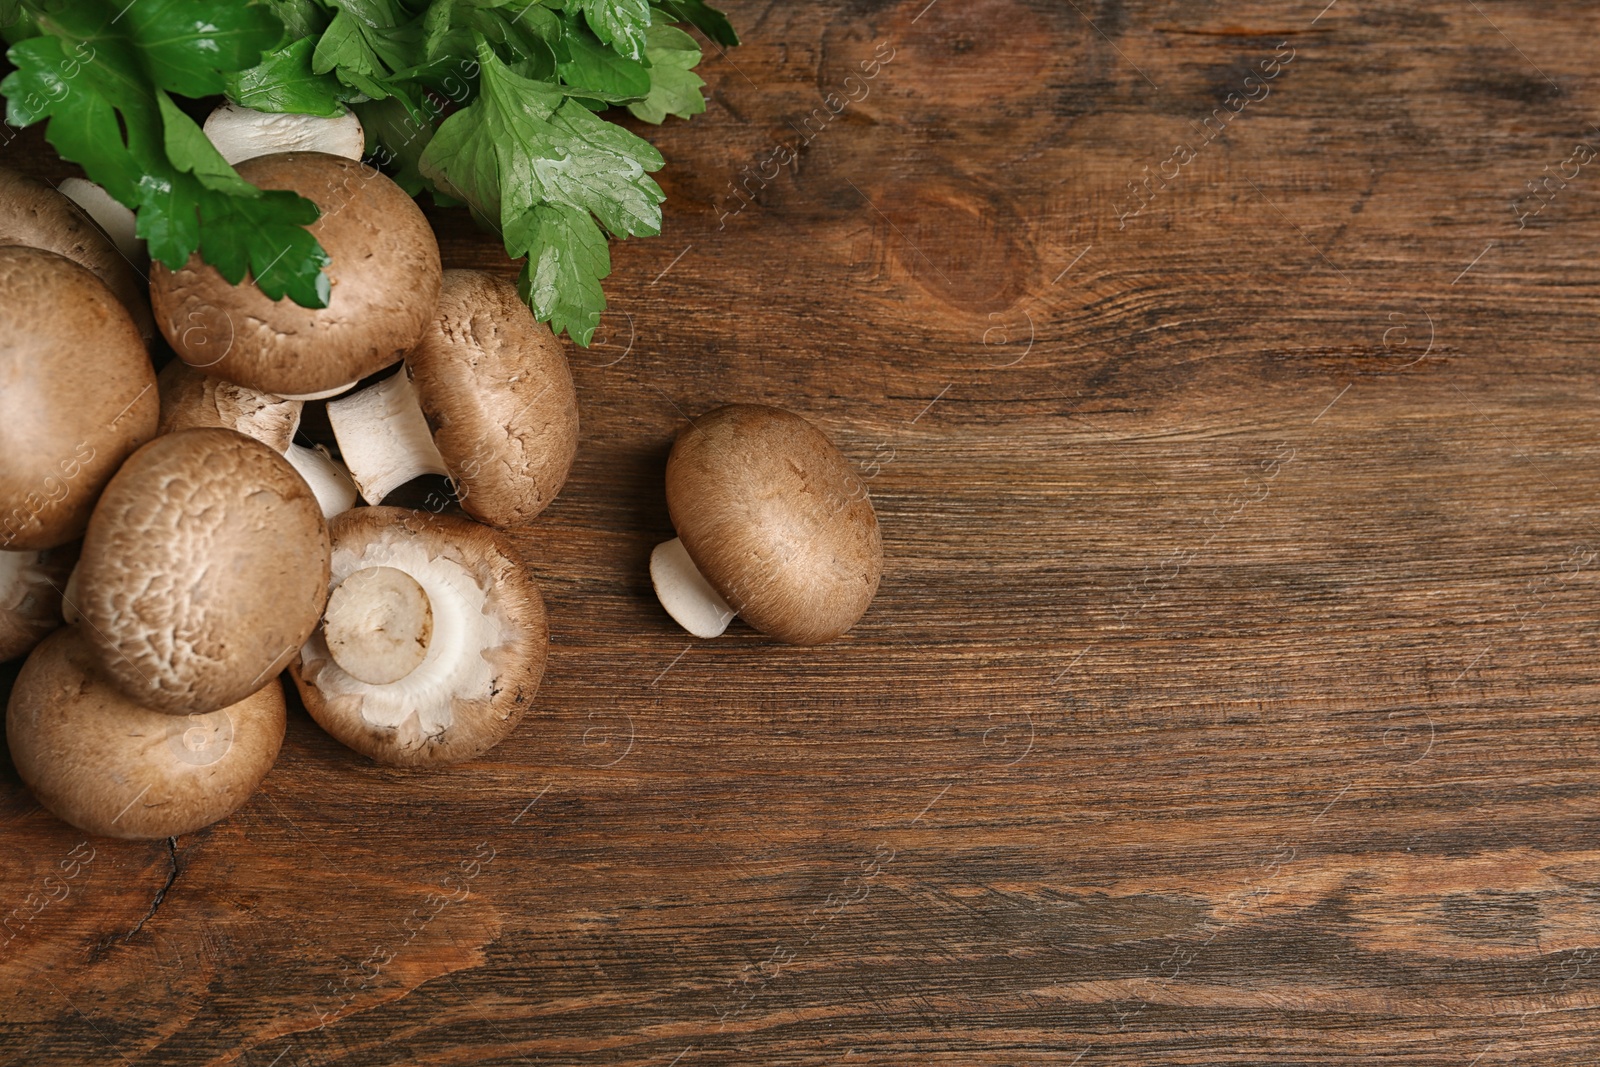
(172, 542)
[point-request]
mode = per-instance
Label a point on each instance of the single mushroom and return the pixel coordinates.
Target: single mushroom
(204, 569)
(773, 525)
(111, 767)
(383, 277)
(77, 395)
(486, 398)
(190, 399)
(115, 219)
(33, 214)
(31, 585)
(434, 641)
(239, 133)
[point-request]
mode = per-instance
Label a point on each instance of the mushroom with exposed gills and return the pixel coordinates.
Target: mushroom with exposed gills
(383, 277)
(33, 214)
(77, 395)
(773, 526)
(239, 133)
(190, 399)
(31, 584)
(111, 767)
(203, 571)
(486, 398)
(434, 640)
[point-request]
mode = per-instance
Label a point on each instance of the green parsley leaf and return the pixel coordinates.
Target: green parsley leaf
(591, 66)
(703, 17)
(192, 152)
(522, 146)
(567, 257)
(285, 260)
(619, 23)
(674, 86)
(284, 82)
(186, 46)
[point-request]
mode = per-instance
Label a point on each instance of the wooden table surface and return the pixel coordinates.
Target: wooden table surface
(1229, 401)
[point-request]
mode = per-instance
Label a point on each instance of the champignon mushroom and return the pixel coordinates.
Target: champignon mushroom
(111, 767)
(383, 277)
(442, 621)
(772, 525)
(485, 398)
(241, 133)
(204, 569)
(31, 584)
(190, 399)
(33, 214)
(77, 394)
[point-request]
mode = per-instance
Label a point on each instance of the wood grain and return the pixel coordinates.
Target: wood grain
(1230, 697)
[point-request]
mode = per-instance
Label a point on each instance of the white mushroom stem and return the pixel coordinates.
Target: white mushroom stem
(384, 438)
(326, 393)
(110, 215)
(329, 481)
(685, 593)
(378, 625)
(21, 577)
(241, 133)
(69, 599)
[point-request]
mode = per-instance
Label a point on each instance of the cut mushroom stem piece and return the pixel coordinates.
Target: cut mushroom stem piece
(378, 625)
(329, 481)
(241, 133)
(384, 437)
(685, 593)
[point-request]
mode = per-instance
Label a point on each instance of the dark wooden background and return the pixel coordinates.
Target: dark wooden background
(1232, 693)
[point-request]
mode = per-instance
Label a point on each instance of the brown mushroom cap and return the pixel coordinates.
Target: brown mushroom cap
(33, 214)
(487, 650)
(190, 399)
(494, 385)
(776, 521)
(31, 585)
(204, 569)
(108, 766)
(77, 394)
(383, 276)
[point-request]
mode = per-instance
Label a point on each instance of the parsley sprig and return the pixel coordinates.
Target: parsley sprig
(488, 103)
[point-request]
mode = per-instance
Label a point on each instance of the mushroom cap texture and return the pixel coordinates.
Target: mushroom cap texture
(31, 608)
(495, 388)
(190, 399)
(383, 278)
(108, 766)
(204, 570)
(776, 520)
(77, 395)
(33, 214)
(517, 663)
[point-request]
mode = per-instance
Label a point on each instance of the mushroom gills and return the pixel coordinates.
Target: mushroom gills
(453, 667)
(378, 625)
(384, 438)
(241, 133)
(329, 481)
(685, 593)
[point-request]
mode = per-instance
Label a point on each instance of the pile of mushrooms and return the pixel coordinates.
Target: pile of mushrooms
(171, 543)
